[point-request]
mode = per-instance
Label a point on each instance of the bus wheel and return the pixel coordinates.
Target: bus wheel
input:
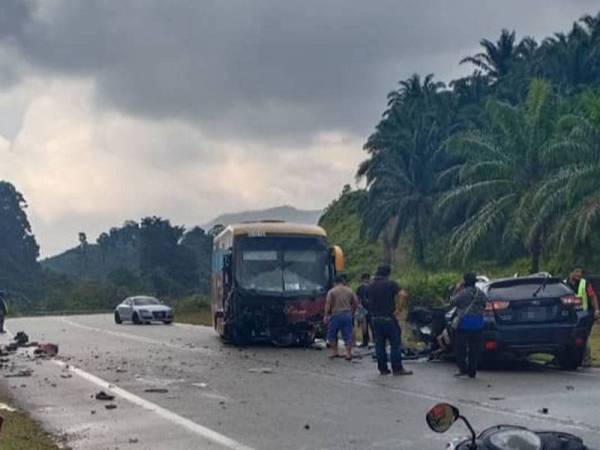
(241, 335)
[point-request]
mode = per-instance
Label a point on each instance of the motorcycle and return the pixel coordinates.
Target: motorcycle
(426, 324)
(500, 437)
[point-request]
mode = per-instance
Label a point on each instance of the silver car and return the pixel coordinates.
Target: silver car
(143, 309)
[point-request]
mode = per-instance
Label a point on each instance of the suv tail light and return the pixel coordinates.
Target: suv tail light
(496, 305)
(572, 300)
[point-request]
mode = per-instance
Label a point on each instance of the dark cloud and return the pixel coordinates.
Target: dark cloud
(14, 14)
(264, 67)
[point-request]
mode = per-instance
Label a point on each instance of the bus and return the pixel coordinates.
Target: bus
(270, 280)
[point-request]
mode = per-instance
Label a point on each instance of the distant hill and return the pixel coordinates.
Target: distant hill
(287, 213)
(91, 263)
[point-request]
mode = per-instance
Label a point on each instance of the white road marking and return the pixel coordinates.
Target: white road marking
(195, 428)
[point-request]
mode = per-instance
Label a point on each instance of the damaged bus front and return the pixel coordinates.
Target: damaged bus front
(270, 280)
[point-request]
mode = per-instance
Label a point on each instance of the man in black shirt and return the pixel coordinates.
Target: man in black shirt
(382, 293)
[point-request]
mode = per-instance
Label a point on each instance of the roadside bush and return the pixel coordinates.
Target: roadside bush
(428, 289)
(189, 303)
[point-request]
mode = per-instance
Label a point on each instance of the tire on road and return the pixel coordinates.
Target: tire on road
(306, 339)
(241, 335)
(136, 319)
(118, 319)
(570, 358)
(285, 340)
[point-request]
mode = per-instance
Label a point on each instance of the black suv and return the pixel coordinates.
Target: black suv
(535, 314)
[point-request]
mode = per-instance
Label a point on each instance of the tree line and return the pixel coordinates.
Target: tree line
(500, 164)
(150, 257)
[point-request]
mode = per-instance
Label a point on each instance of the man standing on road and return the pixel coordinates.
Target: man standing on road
(339, 310)
(384, 309)
(363, 317)
(468, 326)
(3, 311)
(589, 301)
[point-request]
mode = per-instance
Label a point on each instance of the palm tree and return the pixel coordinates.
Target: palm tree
(570, 200)
(405, 154)
(573, 59)
(502, 165)
(497, 58)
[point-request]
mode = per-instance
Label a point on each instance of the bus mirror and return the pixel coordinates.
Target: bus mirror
(338, 258)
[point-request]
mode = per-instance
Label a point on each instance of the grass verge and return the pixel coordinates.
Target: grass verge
(21, 432)
(200, 316)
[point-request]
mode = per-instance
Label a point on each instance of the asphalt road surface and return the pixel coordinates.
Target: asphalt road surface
(261, 397)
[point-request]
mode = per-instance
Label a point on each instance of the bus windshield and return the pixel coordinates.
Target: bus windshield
(283, 264)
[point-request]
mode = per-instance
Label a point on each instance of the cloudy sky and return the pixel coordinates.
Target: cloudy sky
(112, 110)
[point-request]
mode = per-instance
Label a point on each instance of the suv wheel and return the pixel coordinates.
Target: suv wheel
(570, 358)
(118, 320)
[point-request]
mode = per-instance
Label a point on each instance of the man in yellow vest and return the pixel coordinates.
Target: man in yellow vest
(589, 300)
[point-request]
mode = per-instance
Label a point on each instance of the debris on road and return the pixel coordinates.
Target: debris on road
(20, 373)
(307, 427)
(12, 347)
(261, 370)
(110, 406)
(46, 350)
(5, 407)
(104, 396)
(21, 339)
(133, 440)
(200, 385)
(156, 390)
(570, 388)
(543, 411)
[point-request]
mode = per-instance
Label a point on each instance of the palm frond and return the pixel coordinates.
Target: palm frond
(470, 234)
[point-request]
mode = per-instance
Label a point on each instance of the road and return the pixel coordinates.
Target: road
(219, 396)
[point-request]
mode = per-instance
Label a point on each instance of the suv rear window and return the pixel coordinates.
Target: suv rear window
(524, 291)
